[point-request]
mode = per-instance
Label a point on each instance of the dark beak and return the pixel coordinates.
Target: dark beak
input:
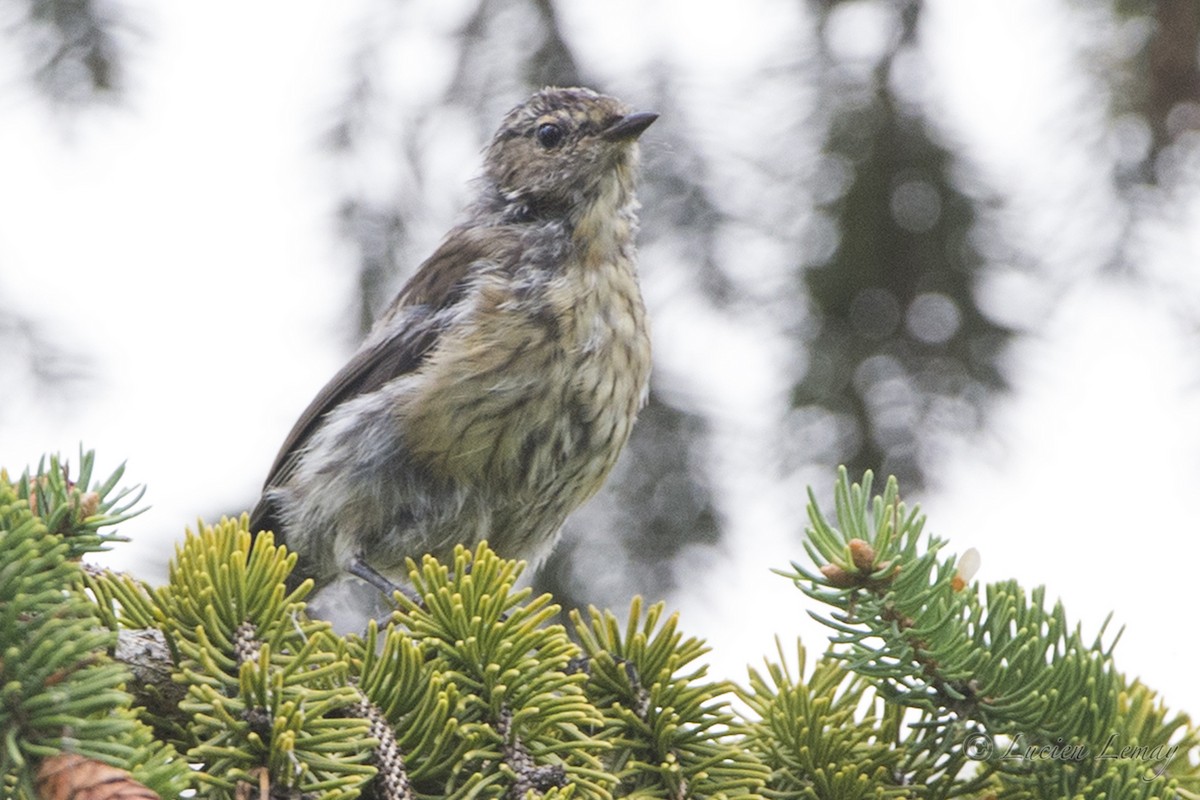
(629, 126)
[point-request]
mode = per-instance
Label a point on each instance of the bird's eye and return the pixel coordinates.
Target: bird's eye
(549, 135)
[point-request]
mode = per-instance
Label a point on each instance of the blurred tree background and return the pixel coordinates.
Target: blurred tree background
(70, 55)
(814, 208)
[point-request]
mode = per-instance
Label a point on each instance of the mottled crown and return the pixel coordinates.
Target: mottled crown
(555, 151)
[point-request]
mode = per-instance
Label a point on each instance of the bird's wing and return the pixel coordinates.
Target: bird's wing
(440, 282)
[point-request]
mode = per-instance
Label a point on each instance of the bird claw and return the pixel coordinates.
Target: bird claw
(364, 571)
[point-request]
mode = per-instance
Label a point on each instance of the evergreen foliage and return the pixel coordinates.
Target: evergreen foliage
(670, 730)
(59, 690)
(931, 688)
(1002, 696)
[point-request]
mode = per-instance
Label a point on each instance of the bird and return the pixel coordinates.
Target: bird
(494, 394)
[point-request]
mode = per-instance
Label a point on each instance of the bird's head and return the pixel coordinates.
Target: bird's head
(561, 149)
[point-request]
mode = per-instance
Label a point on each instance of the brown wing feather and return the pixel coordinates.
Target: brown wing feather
(438, 283)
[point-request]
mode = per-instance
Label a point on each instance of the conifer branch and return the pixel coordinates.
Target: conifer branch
(220, 682)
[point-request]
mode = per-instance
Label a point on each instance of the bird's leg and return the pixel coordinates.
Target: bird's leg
(359, 568)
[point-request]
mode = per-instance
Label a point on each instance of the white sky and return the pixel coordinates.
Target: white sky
(187, 244)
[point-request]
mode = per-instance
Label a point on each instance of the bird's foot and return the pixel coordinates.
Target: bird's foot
(361, 569)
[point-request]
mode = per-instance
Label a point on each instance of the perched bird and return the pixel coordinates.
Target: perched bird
(495, 393)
